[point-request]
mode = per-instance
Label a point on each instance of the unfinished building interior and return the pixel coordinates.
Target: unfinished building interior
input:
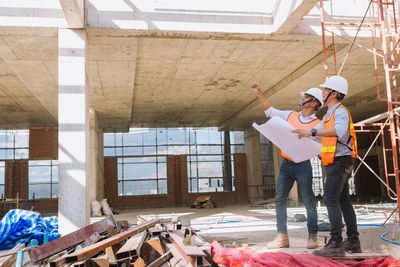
(148, 104)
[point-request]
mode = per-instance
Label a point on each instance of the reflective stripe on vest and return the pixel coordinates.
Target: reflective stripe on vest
(329, 143)
(294, 120)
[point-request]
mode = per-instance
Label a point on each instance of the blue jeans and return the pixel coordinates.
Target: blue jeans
(337, 199)
(302, 173)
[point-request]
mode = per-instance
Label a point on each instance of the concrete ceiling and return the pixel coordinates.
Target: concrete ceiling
(169, 79)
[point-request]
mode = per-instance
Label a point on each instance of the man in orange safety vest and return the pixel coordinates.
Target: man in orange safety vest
(339, 147)
(291, 171)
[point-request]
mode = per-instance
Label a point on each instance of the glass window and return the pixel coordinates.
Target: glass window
(177, 136)
(236, 137)
(205, 173)
(202, 136)
(2, 172)
(3, 135)
(150, 137)
(162, 186)
(142, 176)
(2, 179)
(109, 139)
(39, 191)
(43, 179)
(133, 138)
(215, 137)
(21, 139)
(162, 138)
(14, 144)
(137, 169)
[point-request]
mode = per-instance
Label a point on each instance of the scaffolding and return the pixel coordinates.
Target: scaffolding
(385, 37)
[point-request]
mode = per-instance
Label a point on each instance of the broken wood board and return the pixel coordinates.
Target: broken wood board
(191, 254)
(110, 255)
(11, 257)
(132, 246)
(139, 262)
(70, 240)
(301, 250)
(161, 260)
(355, 256)
(151, 250)
(89, 251)
(177, 259)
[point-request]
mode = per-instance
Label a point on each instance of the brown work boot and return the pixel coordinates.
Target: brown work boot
(312, 241)
(331, 249)
(280, 241)
(352, 246)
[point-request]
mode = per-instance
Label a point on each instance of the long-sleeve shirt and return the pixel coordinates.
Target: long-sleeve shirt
(342, 122)
(284, 114)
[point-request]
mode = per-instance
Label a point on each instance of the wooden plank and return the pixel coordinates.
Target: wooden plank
(139, 262)
(78, 264)
(132, 246)
(91, 240)
(156, 244)
(189, 253)
(100, 261)
(11, 258)
(110, 255)
(150, 251)
(354, 256)
(89, 251)
(188, 250)
(70, 240)
(59, 261)
(158, 262)
(156, 231)
(123, 224)
(178, 259)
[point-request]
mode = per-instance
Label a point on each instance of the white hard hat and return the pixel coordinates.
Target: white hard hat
(337, 83)
(316, 93)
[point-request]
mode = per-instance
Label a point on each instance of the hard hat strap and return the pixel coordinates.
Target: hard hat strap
(302, 104)
(330, 92)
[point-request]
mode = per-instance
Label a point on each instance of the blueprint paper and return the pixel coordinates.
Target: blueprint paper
(279, 132)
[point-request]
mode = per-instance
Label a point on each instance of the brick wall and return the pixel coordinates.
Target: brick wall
(43, 143)
(111, 180)
(177, 186)
(16, 180)
(240, 178)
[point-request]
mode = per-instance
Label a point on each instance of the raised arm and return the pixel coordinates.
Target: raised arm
(264, 103)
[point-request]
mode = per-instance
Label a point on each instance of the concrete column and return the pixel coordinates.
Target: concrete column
(96, 161)
(227, 163)
(73, 131)
(253, 160)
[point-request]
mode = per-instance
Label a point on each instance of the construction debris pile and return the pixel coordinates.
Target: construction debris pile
(110, 243)
(204, 202)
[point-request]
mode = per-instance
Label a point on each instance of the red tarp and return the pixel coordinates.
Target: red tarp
(239, 258)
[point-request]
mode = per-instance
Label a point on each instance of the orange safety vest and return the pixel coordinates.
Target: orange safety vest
(329, 143)
(293, 119)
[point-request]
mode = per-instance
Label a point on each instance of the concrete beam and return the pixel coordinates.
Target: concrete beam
(300, 71)
(74, 11)
(284, 26)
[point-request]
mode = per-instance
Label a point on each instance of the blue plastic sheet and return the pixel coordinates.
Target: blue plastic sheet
(21, 226)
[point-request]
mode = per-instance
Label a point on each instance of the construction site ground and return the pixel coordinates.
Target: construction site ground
(244, 224)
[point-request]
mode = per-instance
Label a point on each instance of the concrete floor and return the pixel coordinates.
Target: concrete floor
(237, 224)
